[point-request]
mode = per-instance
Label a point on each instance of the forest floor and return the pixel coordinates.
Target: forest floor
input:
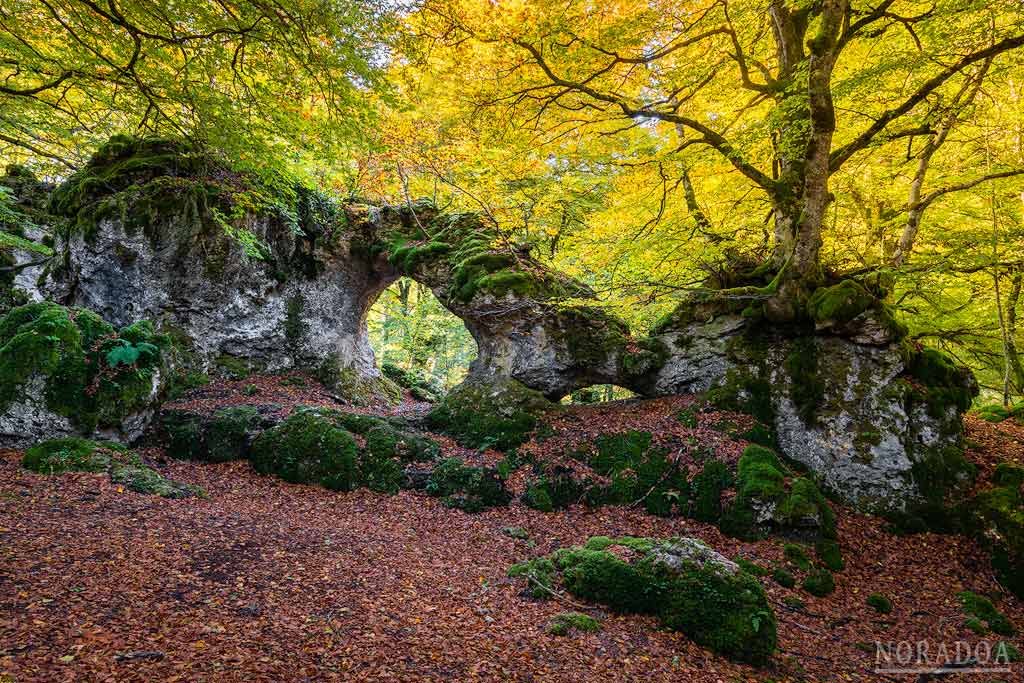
(268, 581)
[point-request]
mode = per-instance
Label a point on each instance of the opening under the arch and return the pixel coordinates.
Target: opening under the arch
(414, 336)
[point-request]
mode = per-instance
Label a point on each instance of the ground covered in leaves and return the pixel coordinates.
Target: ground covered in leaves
(267, 581)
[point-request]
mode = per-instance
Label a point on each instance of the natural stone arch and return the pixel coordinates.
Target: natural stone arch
(289, 285)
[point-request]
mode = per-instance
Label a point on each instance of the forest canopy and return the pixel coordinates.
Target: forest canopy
(643, 147)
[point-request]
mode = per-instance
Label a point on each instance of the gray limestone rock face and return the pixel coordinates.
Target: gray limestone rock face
(862, 427)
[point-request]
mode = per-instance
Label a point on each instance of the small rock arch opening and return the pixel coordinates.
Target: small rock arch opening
(599, 393)
(414, 337)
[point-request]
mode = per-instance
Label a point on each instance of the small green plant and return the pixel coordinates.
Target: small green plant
(819, 583)
(251, 390)
(830, 554)
(566, 622)
(796, 555)
(979, 606)
(783, 577)
(879, 603)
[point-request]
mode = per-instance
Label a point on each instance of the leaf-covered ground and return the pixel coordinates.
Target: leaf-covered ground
(268, 581)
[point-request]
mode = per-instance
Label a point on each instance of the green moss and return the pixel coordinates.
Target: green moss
(979, 606)
(422, 386)
(124, 467)
(942, 381)
(295, 327)
(229, 432)
(687, 417)
(879, 603)
(68, 455)
(819, 583)
(308, 449)
(384, 439)
(752, 568)
(540, 575)
(807, 389)
(783, 577)
(233, 367)
(726, 612)
(744, 392)
(566, 622)
(467, 488)
(357, 388)
(707, 488)
(185, 434)
(499, 415)
(797, 556)
(92, 375)
(839, 303)
(830, 554)
(1008, 474)
(554, 489)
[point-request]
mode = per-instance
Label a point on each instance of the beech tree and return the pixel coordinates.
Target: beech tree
(788, 93)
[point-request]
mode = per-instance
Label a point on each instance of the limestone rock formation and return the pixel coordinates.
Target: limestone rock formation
(244, 276)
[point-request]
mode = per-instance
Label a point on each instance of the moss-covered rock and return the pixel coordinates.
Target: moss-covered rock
(567, 622)
(996, 518)
(420, 385)
(498, 414)
(467, 488)
(980, 607)
(308, 449)
(769, 498)
(879, 603)
(124, 467)
(85, 370)
(819, 582)
(686, 584)
(225, 435)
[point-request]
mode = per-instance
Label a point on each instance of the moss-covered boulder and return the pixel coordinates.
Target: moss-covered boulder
(877, 423)
(308, 449)
(65, 371)
(687, 585)
(124, 467)
(625, 468)
(996, 519)
(225, 435)
(498, 413)
(467, 488)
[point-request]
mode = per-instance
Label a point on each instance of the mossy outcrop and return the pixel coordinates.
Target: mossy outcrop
(338, 450)
(225, 435)
(65, 371)
(876, 421)
(268, 275)
(996, 518)
(686, 584)
(124, 467)
(500, 413)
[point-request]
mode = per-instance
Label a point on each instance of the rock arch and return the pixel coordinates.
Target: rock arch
(289, 284)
